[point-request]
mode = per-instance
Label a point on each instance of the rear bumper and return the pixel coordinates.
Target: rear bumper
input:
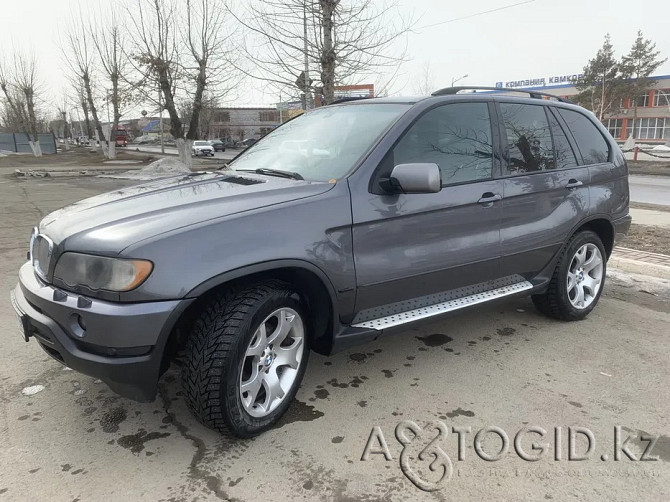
(122, 344)
(621, 227)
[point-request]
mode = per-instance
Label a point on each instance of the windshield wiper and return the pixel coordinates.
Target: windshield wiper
(275, 172)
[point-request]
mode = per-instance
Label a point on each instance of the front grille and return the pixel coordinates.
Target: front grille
(41, 252)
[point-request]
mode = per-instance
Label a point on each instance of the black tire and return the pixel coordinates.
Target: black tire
(215, 353)
(555, 302)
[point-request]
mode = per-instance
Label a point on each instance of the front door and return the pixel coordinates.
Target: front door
(411, 245)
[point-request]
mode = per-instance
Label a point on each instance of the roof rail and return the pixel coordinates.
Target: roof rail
(349, 98)
(533, 94)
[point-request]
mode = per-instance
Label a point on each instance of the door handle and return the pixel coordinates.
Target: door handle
(573, 183)
(488, 198)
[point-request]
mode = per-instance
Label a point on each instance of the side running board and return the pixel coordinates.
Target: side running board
(444, 306)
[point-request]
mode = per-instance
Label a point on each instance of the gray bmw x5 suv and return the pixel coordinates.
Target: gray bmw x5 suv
(346, 223)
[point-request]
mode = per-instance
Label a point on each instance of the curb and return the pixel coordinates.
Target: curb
(653, 264)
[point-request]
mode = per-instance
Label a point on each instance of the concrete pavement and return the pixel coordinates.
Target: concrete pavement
(653, 217)
(499, 365)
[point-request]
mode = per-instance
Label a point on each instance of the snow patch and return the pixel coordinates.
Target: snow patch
(653, 285)
(33, 389)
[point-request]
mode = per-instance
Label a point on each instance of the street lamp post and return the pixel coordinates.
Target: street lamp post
(454, 80)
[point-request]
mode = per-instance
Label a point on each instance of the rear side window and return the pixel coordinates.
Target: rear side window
(592, 145)
(456, 137)
(529, 143)
(565, 155)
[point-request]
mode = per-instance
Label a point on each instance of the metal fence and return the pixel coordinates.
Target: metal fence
(19, 142)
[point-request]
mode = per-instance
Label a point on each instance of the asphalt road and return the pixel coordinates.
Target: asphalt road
(497, 365)
(227, 155)
(650, 189)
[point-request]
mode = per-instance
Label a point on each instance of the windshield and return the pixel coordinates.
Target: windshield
(201, 143)
(323, 144)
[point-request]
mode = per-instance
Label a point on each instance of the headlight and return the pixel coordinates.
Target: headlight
(100, 272)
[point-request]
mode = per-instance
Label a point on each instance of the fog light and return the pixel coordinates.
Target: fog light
(81, 322)
(77, 325)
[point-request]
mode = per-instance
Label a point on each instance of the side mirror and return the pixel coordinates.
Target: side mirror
(414, 178)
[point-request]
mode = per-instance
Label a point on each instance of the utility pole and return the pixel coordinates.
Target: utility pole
(304, 22)
(160, 119)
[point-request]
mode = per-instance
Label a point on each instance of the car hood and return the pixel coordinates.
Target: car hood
(110, 222)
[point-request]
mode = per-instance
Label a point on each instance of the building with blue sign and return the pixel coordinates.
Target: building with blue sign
(652, 125)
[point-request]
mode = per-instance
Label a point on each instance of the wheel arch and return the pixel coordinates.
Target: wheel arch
(603, 227)
(310, 282)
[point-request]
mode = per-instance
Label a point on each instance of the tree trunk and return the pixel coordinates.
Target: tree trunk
(94, 113)
(32, 122)
(66, 143)
(602, 99)
(185, 148)
(87, 121)
(117, 116)
(327, 53)
(194, 125)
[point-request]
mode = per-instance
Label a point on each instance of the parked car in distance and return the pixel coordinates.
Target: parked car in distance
(347, 223)
(247, 143)
(218, 145)
(203, 148)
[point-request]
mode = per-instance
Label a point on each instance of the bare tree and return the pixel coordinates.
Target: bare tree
(426, 82)
(182, 49)
(78, 54)
(347, 40)
(14, 117)
(20, 88)
(108, 37)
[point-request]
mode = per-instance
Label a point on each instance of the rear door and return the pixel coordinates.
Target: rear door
(410, 245)
(545, 186)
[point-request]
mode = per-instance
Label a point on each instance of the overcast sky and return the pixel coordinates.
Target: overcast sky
(538, 39)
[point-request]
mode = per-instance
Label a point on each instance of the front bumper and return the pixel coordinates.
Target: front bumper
(119, 343)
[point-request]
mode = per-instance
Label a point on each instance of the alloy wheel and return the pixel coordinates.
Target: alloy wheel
(585, 275)
(271, 362)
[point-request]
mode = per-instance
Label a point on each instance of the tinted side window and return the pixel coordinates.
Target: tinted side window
(456, 137)
(565, 155)
(592, 145)
(528, 138)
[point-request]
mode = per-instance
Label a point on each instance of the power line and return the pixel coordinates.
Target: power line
(476, 14)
